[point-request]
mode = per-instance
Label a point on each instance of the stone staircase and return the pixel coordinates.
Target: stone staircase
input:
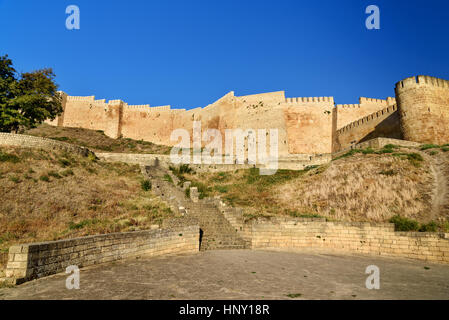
(216, 231)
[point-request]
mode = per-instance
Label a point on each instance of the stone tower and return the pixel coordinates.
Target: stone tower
(423, 104)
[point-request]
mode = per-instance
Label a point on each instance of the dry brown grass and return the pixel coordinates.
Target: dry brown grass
(96, 140)
(363, 187)
(55, 195)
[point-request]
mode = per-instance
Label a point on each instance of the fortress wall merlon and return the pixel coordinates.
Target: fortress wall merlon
(115, 102)
(309, 100)
(436, 82)
(364, 100)
(347, 106)
(368, 118)
(416, 81)
(139, 107)
(77, 98)
(178, 110)
(409, 82)
(101, 101)
(160, 108)
(348, 113)
(391, 101)
(383, 123)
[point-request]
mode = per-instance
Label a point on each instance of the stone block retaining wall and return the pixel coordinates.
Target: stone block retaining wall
(20, 140)
(349, 237)
(36, 260)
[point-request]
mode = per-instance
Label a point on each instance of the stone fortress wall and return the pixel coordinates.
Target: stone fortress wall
(315, 125)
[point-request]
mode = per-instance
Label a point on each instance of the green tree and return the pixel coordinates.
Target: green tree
(28, 99)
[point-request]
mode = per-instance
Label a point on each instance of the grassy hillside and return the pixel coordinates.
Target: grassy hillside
(367, 185)
(96, 140)
(55, 195)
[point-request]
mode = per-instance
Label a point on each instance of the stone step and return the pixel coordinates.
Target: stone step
(218, 233)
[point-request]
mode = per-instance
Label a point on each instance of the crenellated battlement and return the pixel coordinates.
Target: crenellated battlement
(77, 98)
(309, 100)
(102, 102)
(416, 81)
(161, 108)
(365, 120)
(424, 107)
(137, 107)
(115, 102)
(307, 125)
(347, 106)
(177, 110)
(363, 100)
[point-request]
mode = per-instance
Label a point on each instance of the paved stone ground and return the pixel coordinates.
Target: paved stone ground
(246, 274)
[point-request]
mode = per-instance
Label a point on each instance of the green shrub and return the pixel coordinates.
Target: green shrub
(347, 154)
(415, 159)
(368, 151)
(82, 224)
(64, 162)
(445, 149)
(415, 156)
(429, 146)
(202, 189)
(6, 157)
(404, 224)
(168, 178)
(429, 227)
(92, 157)
(391, 146)
(384, 151)
(54, 174)
(65, 139)
(146, 185)
(254, 177)
(68, 172)
(184, 168)
(187, 192)
(221, 176)
(432, 153)
(221, 189)
(44, 178)
(14, 179)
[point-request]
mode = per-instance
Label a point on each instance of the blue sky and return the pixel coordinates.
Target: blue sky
(190, 53)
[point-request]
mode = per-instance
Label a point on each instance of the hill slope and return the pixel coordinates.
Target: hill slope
(96, 140)
(370, 185)
(55, 195)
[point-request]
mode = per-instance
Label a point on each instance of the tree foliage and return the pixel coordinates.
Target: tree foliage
(26, 99)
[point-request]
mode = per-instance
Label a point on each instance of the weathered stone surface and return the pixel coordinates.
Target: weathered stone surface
(32, 261)
(424, 109)
(21, 140)
(246, 274)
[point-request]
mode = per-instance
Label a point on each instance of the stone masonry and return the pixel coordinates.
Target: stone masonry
(315, 125)
(36, 260)
(216, 231)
